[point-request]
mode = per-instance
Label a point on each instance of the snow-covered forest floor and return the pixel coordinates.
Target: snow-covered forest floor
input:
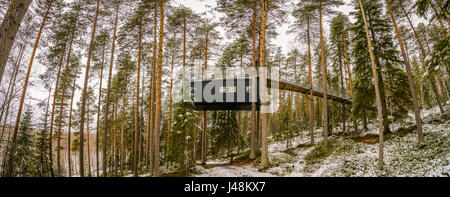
(355, 155)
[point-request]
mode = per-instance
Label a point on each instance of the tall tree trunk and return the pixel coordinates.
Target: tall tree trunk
(10, 165)
(11, 84)
(58, 77)
(262, 47)
(381, 85)
(150, 117)
(98, 113)
(122, 134)
(341, 70)
(108, 94)
(113, 152)
(205, 120)
(311, 98)
(253, 112)
(58, 135)
(436, 94)
(70, 122)
(169, 126)
(324, 82)
(441, 88)
(158, 89)
(88, 140)
(377, 89)
(9, 28)
(136, 118)
(42, 160)
(444, 29)
(349, 72)
(410, 78)
(10, 93)
(84, 93)
(424, 54)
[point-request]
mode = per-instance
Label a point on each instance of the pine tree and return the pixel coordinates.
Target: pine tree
(85, 86)
(305, 14)
(424, 6)
(184, 123)
(395, 90)
(377, 88)
(341, 64)
(108, 90)
(410, 79)
(324, 9)
(224, 133)
(24, 152)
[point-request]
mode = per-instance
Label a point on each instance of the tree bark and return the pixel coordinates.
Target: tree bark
(444, 29)
(264, 131)
(10, 93)
(381, 86)
(441, 88)
(205, 120)
(410, 78)
(136, 113)
(122, 134)
(84, 93)
(151, 102)
(70, 122)
(88, 141)
(10, 160)
(253, 112)
(9, 28)
(108, 93)
(436, 94)
(158, 90)
(99, 111)
(311, 98)
(58, 77)
(66, 72)
(424, 54)
(169, 126)
(324, 82)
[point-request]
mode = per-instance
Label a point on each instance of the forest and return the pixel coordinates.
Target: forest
(91, 88)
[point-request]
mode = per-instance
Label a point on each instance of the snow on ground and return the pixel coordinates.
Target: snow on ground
(232, 171)
(403, 156)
